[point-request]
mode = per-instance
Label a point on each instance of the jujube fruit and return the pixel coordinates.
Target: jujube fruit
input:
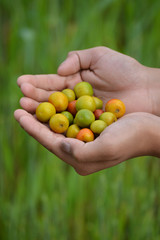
(115, 106)
(98, 102)
(83, 88)
(72, 107)
(70, 94)
(98, 126)
(59, 100)
(84, 118)
(59, 123)
(69, 116)
(85, 135)
(108, 117)
(44, 111)
(72, 131)
(97, 113)
(85, 102)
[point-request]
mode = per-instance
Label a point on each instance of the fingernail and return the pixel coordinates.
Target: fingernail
(66, 147)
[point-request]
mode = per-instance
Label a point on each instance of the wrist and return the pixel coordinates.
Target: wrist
(145, 136)
(153, 79)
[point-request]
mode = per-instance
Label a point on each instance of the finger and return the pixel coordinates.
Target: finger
(49, 139)
(29, 104)
(50, 82)
(47, 82)
(35, 93)
(83, 152)
(91, 77)
(87, 160)
(76, 61)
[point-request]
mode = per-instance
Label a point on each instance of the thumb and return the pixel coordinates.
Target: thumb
(81, 152)
(76, 61)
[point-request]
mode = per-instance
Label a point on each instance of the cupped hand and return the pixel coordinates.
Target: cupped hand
(127, 138)
(112, 75)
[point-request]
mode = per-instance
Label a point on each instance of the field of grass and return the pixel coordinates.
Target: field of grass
(41, 198)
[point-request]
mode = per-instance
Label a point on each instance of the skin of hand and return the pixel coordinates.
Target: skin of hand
(112, 75)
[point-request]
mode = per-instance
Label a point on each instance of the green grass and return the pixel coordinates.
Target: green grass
(40, 196)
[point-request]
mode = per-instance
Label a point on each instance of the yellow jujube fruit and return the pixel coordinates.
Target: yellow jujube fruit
(59, 123)
(45, 111)
(59, 100)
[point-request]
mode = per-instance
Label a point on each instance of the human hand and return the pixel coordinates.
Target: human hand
(115, 75)
(112, 75)
(133, 135)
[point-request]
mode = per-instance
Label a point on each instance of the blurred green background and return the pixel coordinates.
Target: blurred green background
(40, 196)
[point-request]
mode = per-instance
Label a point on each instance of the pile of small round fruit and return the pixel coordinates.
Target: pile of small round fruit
(77, 113)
